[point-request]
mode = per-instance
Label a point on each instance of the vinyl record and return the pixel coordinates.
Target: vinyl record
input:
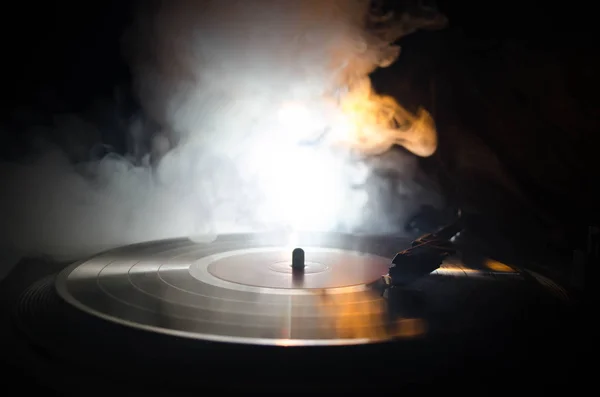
(241, 289)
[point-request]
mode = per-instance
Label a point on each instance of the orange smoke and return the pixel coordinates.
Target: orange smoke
(357, 116)
(372, 124)
(366, 122)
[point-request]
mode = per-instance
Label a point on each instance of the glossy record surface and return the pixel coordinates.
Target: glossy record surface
(238, 289)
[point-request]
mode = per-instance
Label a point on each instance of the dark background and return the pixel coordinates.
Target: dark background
(512, 87)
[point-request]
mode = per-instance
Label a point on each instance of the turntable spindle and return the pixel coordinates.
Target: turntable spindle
(298, 259)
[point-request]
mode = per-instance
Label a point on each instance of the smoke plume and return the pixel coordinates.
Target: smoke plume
(266, 113)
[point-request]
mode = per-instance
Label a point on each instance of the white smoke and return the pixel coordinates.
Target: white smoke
(225, 66)
(215, 75)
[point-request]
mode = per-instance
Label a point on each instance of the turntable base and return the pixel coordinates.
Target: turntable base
(162, 319)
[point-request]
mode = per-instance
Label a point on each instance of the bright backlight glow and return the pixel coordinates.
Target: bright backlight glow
(305, 188)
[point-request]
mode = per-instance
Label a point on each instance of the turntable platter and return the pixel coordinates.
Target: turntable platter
(244, 289)
(237, 290)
